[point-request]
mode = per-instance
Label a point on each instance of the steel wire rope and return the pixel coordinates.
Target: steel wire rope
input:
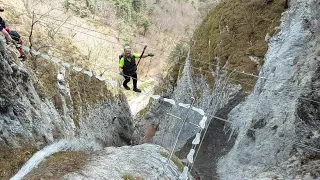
(62, 9)
(236, 80)
(300, 144)
(211, 72)
(53, 18)
(207, 126)
(149, 65)
(196, 60)
(50, 17)
(242, 72)
(295, 142)
(201, 70)
(191, 66)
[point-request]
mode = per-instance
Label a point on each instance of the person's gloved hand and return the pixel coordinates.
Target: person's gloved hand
(150, 54)
(121, 73)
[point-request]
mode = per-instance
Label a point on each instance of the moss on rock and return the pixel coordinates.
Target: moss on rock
(233, 31)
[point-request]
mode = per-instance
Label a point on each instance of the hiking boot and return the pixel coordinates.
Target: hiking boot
(136, 90)
(23, 57)
(126, 87)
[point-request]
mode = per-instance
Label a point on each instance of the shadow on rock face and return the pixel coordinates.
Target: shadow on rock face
(217, 143)
(214, 146)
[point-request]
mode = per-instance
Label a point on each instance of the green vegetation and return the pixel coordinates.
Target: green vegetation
(11, 160)
(175, 160)
(233, 31)
(134, 14)
(143, 111)
(175, 67)
(128, 176)
(86, 92)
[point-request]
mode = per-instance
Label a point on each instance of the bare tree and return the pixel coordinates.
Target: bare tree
(36, 19)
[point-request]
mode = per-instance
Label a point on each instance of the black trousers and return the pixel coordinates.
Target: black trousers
(127, 79)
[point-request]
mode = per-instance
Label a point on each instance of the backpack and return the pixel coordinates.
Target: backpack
(121, 56)
(14, 35)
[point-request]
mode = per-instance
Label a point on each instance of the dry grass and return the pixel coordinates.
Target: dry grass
(86, 91)
(143, 111)
(11, 160)
(175, 68)
(233, 31)
(129, 176)
(175, 160)
(59, 164)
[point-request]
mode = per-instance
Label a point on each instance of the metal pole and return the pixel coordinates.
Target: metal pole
(144, 49)
(177, 139)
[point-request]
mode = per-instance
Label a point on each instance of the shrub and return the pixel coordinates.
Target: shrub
(128, 176)
(175, 160)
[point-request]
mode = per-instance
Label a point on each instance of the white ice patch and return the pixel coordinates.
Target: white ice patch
(203, 121)
(171, 101)
(44, 56)
(184, 174)
(196, 140)
(254, 59)
(155, 96)
(101, 78)
(67, 65)
(89, 73)
(55, 60)
(113, 83)
(198, 110)
(26, 48)
(78, 69)
(190, 155)
(184, 105)
(35, 52)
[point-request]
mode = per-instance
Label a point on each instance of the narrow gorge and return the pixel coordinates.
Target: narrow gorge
(238, 100)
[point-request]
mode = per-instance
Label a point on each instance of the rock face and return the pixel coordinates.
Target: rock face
(278, 125)
(218, 101)
(28, 119)
(142, 161)
(271, 128)
(187, 88)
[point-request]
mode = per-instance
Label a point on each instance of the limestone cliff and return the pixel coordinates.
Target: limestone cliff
(269, 132)
(278, 125)
(30, 121)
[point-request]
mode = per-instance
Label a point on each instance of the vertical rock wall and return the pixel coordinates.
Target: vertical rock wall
(281, 116)
(26, 119)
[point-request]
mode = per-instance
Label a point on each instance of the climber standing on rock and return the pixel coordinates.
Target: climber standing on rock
(2, 28)
(128, 66)
(15, 36)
